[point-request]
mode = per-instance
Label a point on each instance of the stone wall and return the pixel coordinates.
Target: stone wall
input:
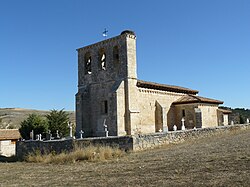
(7, 148)
(149, 141)
(106, 73)
(209, 115)
(153, 105)
(134, 143)
(23, 148)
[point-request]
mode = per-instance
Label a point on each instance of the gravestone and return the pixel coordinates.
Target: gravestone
(105, 128)
(183, 124)
(32, 135)
(70, 130)
(175, 128)
(81, 133)
(57, 135)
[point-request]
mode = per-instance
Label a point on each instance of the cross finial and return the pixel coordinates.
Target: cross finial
(104, 33)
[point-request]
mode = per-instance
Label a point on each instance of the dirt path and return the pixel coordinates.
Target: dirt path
(213, 161)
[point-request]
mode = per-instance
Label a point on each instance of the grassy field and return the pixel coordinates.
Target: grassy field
(215, 161)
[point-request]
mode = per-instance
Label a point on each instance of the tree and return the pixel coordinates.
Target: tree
(242, 121)
(33, 122)
(58, 120)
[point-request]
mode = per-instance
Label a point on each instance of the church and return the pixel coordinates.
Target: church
(111, 97)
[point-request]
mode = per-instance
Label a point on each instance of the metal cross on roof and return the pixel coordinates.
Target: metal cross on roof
(104, 33)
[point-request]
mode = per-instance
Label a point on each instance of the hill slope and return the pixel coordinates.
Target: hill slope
(12, 117)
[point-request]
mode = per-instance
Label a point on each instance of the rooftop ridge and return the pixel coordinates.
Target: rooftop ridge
(165, 87)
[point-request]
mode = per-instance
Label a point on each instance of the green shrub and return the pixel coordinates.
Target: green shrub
(33, 122)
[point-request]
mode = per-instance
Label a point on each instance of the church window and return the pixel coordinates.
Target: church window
(183, 113)
(116, 54)
(104, 107)
(102, 59)
(88, 61)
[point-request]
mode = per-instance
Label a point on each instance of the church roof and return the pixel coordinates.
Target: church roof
(196, 99)
(164, 87)
(9, 134)
(224, 111)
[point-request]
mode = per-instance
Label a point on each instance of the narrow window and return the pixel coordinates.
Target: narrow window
(102, 59)
(88, 63)
(183, 113)
(116, 54)
(104, 107)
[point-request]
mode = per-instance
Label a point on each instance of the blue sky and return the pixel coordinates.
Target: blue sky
(198, 44)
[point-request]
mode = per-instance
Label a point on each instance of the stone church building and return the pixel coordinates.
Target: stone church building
(109, 94)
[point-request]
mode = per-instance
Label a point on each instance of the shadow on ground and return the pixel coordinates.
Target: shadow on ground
(7, 159)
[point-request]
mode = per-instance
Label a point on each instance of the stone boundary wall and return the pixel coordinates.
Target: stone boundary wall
(149, 141)
(127, 143)
(23, 148)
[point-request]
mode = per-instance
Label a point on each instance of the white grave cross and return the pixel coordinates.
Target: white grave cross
(105, 128)
(81, 133)
(70, 130)
(183, 124)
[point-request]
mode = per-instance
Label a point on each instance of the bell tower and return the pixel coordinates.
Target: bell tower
(106, 86)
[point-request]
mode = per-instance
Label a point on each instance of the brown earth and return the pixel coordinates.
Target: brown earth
(214, 161)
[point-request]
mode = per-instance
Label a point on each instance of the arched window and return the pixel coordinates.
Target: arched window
(87, 60)
(102, 59)
(116, 54)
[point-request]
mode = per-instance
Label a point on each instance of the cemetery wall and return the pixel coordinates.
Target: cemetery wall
(149, 141)
(134, 143)
(23, 148)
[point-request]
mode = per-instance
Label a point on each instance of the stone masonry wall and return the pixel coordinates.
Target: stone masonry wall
(147, 109)
(23, 148)
(104, 67)
(7, 148)
(149, 141)
(134, 143)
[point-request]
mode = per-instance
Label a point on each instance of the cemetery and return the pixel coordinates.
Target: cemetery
(135, 143)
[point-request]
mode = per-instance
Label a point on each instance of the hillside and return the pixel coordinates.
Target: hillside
(12, 117)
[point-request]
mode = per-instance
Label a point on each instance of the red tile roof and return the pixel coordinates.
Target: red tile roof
(164, 87)
(9, 134)
(224, 111)
(196, 99)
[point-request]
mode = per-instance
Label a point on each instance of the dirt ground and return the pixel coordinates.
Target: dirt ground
(214, 161)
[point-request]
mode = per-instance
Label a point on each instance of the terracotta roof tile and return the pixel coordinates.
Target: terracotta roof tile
(196, 99)
(9, 134)
(164, 87)
(225, 111)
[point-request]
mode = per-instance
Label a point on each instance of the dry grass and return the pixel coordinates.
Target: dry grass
(222, 160)
(90, 153)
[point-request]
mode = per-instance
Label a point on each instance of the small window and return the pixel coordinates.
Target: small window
(183, 113)
(102, 59)
(116, 54)
(88, 61)
(104, 107)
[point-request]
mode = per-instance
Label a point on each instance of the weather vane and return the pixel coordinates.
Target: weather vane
(104, 33)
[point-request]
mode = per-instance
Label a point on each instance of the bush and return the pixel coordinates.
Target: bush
(33, 122)
(58, 120)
